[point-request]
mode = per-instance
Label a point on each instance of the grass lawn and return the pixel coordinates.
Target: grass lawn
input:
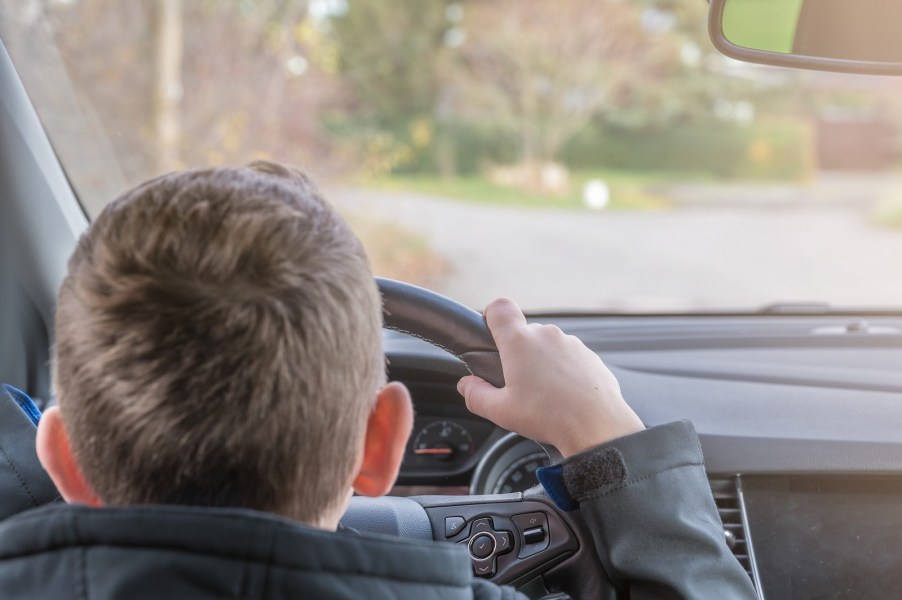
(396, 252)
(630, 190)
(888, 212)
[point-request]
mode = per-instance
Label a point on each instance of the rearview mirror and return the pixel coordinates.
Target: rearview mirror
(853, 36)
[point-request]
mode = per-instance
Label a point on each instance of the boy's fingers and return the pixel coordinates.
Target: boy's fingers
(481, 396)
(503, 317)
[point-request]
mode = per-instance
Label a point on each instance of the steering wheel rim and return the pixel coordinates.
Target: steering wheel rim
(449, 325)
(444, 323)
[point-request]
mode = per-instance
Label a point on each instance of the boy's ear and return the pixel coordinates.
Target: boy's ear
(387, 432)
(57, 458)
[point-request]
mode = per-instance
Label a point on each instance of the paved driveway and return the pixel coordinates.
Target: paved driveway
(740, 254)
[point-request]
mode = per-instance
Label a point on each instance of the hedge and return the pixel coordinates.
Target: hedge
(769, 149)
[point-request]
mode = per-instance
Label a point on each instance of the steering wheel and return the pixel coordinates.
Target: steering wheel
(521, 538)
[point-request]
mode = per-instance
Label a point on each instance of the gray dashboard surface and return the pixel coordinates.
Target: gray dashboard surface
(766, 394)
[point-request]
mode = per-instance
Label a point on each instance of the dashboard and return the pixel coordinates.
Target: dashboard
(453, 452)
(799, 417)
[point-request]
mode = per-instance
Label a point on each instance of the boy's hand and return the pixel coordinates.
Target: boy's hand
(556, 391)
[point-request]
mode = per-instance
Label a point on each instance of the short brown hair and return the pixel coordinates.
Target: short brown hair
(218, 343)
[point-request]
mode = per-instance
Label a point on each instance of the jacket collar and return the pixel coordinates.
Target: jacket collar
(156, 535)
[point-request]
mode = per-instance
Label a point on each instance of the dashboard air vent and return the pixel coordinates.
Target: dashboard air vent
(729, 505)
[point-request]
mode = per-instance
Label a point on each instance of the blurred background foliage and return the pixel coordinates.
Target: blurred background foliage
(373, 90)
(397, 106)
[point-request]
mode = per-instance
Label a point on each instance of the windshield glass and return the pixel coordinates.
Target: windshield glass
(579, 155)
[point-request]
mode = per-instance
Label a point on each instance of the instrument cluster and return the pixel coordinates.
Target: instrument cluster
(454, 452)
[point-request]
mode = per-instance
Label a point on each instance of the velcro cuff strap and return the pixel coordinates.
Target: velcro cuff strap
(570, 482)
(594, 471)
(552, 479)
(603, 468)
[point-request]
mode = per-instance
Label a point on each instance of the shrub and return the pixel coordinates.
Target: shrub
(769, 149)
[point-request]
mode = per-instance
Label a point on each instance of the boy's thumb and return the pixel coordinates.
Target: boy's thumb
(481, 396)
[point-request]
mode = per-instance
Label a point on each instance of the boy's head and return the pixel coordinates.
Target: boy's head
(218, 343)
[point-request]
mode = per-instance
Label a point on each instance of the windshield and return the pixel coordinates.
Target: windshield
(578, 155)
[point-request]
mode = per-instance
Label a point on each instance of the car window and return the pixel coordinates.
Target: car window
(580, 155)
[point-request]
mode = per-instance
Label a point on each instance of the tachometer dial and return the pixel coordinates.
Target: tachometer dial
(521, 474)
(442, 441)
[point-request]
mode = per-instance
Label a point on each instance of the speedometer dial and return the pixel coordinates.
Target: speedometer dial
(443, 441)
(520, 475)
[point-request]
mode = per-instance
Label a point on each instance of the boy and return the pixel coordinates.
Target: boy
(218, 345)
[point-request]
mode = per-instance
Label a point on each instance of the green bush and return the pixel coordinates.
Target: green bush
(778, 149)
(422, 145)
(464, 148)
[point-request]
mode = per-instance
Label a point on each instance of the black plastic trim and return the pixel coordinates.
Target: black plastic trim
(749, 544)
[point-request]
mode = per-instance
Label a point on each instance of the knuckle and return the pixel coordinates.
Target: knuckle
(521, 333)
(551, 332)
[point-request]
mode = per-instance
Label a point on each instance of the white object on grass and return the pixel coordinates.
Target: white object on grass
(596, 194)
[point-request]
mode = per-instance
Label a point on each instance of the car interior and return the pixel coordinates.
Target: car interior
(799, 410)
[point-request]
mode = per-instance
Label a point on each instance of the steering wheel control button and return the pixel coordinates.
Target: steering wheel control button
(493, 536)
(482, 526)
(453, 526)
(536, 535)
(484, 567)
(502, 541)
(482, 546)
(532, 529)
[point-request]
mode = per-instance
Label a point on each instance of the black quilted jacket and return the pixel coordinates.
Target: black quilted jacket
(656, 529)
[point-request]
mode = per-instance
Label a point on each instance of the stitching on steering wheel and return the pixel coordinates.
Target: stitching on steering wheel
(436, 344)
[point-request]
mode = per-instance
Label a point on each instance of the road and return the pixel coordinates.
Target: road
(737, 254)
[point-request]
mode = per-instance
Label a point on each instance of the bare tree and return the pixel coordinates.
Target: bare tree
(176, 84)
(546, 68)
(168, 83)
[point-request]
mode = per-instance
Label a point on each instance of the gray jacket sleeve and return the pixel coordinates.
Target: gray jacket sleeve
(647, 501)
(486, 590)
